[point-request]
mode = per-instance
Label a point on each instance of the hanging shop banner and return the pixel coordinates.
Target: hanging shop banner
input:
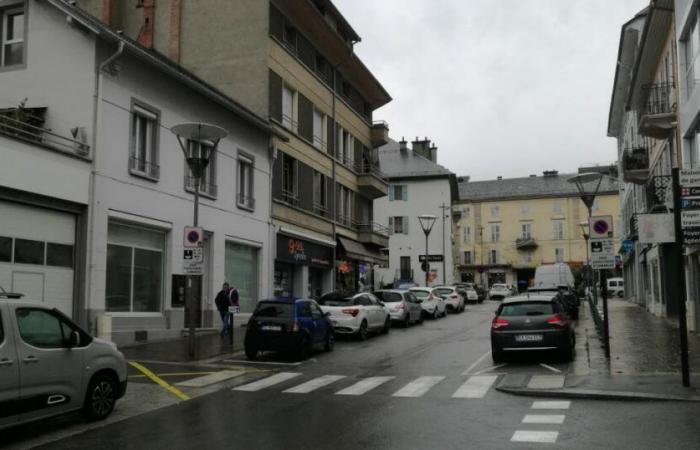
(656, 228)
(300, 251)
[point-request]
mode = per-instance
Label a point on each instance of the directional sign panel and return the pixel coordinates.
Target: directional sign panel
(690, 191)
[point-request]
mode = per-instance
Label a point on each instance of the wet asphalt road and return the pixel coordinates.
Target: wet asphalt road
(378, 419)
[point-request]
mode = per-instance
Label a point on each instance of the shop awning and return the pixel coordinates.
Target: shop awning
(357, 250)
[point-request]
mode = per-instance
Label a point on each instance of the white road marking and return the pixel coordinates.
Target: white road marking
(555, 404)
(314, 384)
(212, 378)
(418, 387)
(267, 363)
(544, 418)
(364, 386)
(476, 363)
(267, 382)
(545, 437)
(546, 382)
(488, 369)
(553, 369)
(475, 387)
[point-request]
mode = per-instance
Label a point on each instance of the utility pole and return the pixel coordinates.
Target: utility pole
(678, 250)
(444, 255)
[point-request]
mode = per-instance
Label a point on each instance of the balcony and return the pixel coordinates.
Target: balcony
(245, 202)
(657, 117)
(373, 234)
(24, 124)
(371, 181)
(635, 165)
(380, 133)
(525, 243)
(206, 189)
(141, 167)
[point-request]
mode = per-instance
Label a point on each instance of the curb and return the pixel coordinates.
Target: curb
(592, 394)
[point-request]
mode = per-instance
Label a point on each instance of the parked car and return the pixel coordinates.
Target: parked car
(527, 323)
(403, 306)
(49, 365)
(433, 305)
(357, 314)
(288, 325)
(553, 275)
(616, 287)
(499, 291)
(565, 296)
(406, 286)
(468, 292)
(454, 302)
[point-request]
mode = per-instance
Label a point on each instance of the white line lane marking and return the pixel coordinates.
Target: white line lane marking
(545, 437)
(544, 418)
(364, 386)
(561, 404)
(314, 384)
(488, 369)
(267, 382)
(268, 363)
(418, 387)
(546, 382)
(212, 378)
(476, 363)
(475, 387)
(553, 369)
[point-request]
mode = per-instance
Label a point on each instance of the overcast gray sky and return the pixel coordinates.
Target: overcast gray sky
(503, 87)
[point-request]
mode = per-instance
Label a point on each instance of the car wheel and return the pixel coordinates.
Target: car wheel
(251, 353)
(100, 397)
(567, 353)
(621, 294)
(330, 341)
(362, 331)
(387, 326)
(435, 313)
(421, 318)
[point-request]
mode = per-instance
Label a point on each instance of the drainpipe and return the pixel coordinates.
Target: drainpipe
(96, 120)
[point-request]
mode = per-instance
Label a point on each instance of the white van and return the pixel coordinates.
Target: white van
(616, 287)
(50, 366)
(553, 275)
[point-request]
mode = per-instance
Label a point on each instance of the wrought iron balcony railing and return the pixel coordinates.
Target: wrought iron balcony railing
(658, 98)
(290, 197)
(246, 201)
(635, 165)
(524, 243)
(140, 166)
(373, 228)
(13, 127)
(205, 188)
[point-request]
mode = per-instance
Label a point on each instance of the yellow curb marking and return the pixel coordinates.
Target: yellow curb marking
(159, 381)
(174, 374)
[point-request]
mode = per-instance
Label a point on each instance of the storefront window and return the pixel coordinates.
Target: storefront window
(315, 282)
(242, 273)
(345, 276)
(283, 279)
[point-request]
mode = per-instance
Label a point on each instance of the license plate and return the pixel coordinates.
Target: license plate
(528, 337)
(271, 328)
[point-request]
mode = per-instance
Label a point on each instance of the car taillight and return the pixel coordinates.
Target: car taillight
(454, 296)
(295, 326)
(499, 322)
(557, 320)
(401, 306)
(352, 311)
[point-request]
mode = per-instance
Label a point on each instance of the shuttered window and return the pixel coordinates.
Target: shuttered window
(306, 118)
(275, 98)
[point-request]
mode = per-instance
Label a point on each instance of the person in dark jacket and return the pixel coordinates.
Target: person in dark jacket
(223, 301)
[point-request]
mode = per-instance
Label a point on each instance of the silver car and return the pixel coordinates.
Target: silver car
(404, 308)
(58, 367)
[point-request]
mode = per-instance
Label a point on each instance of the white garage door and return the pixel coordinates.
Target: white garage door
(37, 247)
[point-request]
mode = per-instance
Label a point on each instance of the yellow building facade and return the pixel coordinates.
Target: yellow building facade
(503, 229)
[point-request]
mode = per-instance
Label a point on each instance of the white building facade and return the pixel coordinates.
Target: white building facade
(93, 212)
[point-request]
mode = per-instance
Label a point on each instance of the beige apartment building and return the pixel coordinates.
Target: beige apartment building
(505, 228)
(291, 61)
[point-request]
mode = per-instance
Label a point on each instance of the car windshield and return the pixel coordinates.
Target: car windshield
(527, 309)
(275, 309)
(388, 297)
(421, 294)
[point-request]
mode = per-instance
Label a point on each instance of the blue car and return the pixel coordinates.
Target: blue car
(292, 326)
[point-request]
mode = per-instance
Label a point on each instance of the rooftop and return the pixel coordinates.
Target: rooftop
(397, 163)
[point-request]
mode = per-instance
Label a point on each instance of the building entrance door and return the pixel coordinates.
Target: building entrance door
(405, 270)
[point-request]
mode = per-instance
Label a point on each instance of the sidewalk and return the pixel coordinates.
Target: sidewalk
(644, 362)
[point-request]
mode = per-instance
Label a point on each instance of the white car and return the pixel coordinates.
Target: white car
(356, 314)
(453, 299)
(499, 291)
(433, 305)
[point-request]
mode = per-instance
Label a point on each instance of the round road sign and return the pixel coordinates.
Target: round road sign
(600, 226)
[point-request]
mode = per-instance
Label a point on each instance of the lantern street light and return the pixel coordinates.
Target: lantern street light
(198, 142)
(585, 230)
(426, 223)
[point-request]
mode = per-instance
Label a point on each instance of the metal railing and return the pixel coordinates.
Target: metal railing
(290, 197)
(365, 168)
(525, 242)
(246, 201)
(10, 126)
(320, 209)
(658, 98)
(143, 167)
(373, 227)
(347, 221)
(207, 189)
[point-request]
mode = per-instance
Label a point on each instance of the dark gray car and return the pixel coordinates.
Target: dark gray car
(404, 308)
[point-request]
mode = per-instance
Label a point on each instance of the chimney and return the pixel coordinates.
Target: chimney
(550, 173)
(499, 178)
(107, 12)
(422, 147)
(145, 37)
(403, 145)
(433, 153)
(175, 27)
(532, 175)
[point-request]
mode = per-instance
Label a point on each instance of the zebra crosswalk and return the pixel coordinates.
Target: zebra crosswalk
(473, 387)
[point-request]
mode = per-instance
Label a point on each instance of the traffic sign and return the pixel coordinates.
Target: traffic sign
(601, 227)
(193, 237)
(628, 245)
(602, 253)
(431, 258)
(193, 261)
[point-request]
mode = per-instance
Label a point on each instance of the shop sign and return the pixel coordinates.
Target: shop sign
(691, 236)
(300, 251)
(656, 228)
(344, 267)
(689, 177)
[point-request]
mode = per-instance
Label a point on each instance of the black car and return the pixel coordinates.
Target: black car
(288, 325)
(531, 323)
(565, 295)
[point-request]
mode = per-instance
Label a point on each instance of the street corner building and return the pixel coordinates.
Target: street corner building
(505, 228)
(95, 192)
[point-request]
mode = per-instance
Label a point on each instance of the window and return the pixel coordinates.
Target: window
(5, 249)
(398, 192)
(29, 252)
(12, 37)
(320, 131)
(467, 212)
(242, 270)
(345, 206)
(691, 47)
(316, 312)
(398, 224)
(559, 255)
(143, 158)
(345, 147)
(527, 257)
(59, 255)
(467, 234)
(596, 205)
(207, 182)
(495, 232)
(467, 258)
(134, 269)
(558, 230)
(495, 211)
(320, 194)
(289, 116)
(244, 196)
(556, 208)
(290, 185)
(493, 257)
(691, 159)
(41, 328)
(526, 230)
(525, 209)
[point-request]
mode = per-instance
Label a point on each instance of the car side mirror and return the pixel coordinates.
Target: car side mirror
(326, 314)
(74, 339)
(381, 303)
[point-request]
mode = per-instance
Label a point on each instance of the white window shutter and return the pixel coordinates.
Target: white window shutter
(391, 195)
(405, 225)
(391, 225)
(404, 192)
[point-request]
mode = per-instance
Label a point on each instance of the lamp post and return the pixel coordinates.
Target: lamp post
(588, 184)
(584, 231)
(426, 223)
(198, 141)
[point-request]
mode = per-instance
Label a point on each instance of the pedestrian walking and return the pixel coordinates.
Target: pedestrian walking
(223, 301)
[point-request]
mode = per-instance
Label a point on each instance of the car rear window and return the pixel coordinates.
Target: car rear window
(444, 291)
(275, 309)
(527, 309)
(421, 294)
(499, 286)
(388, 297)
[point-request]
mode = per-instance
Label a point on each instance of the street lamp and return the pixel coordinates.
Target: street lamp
(585, 229)
(198, 141)
(426, 223)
